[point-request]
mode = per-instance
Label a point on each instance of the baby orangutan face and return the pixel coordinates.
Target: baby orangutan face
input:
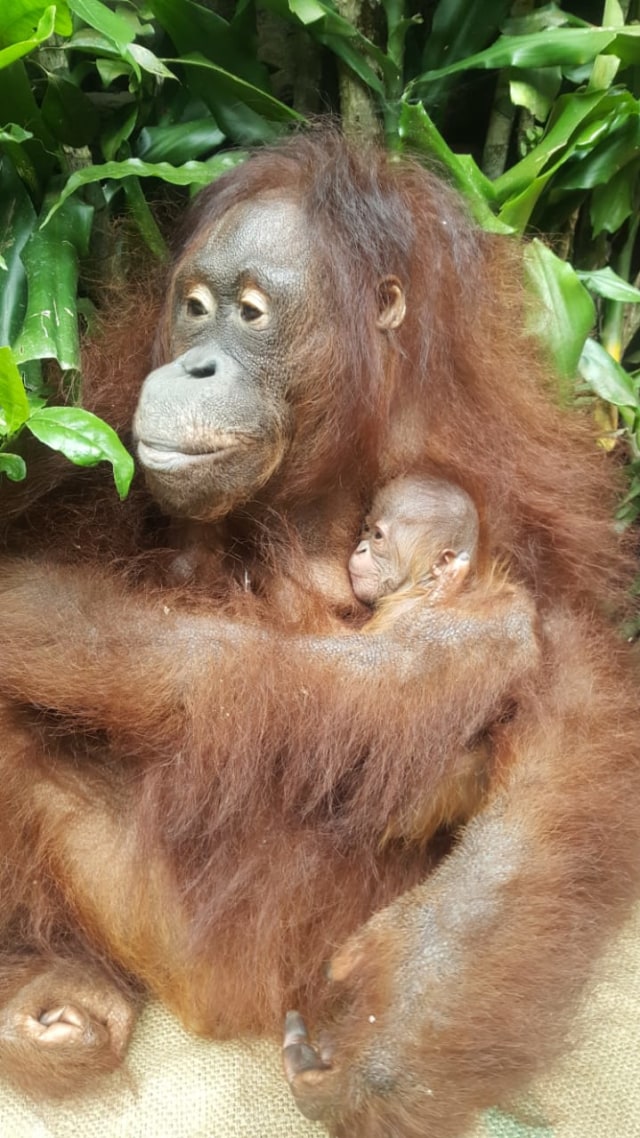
(416, 529)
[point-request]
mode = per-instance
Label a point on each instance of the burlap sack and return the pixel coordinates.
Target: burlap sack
(179, 1087)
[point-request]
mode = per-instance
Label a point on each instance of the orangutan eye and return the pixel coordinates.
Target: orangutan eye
(249, 313)
(199, 302)
(254, 308)
(378, 534)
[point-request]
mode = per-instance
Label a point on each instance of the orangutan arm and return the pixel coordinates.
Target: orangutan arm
(455, 995)
(79, 642)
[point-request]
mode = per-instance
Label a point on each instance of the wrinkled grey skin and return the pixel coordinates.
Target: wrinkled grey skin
(214, 423)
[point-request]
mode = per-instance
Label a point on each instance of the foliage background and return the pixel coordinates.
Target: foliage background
(532, 109)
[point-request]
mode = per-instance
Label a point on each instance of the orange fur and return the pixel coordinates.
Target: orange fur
(228, 780)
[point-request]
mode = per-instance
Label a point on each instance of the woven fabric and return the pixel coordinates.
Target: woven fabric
(180, 1087)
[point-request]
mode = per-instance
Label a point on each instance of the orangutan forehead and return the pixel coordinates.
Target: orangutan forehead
(269, 237)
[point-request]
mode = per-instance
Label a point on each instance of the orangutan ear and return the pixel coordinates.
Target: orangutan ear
(392, 305)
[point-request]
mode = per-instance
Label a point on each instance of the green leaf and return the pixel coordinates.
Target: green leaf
(605, 282)
(516, 211)
(307, 11)
(109, 23)
(17, 19)
(202, 35)
(614, 201)
(14, 133)
(179, 142)
(50, 258)
(17, 222)
(232, 86)
(84, 439)
(549, 16)
(418, 133)
(605, 160)
(570, 112)
(144, 218)
(555, 47)
(227, 160)
(565, 313)
(70, 116)
(192, 172)
(13, 466)
(111, 69)
(194, 29)
(149, 62)
(14, 406)
(535, 89)
(459, 29)
(605, 376)
(16, 49)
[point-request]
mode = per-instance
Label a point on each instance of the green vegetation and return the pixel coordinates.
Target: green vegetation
(533, 110)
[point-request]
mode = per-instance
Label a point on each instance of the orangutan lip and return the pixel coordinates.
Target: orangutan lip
(158, 456)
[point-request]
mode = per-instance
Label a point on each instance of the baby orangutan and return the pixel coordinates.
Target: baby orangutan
(418, 543)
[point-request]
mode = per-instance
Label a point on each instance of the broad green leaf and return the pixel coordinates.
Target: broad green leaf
(84, 439)
(609, 157)
(307, 11)
(605, 282)
(570, 113)
(195, 29)
(227, 160)
(605, 67)
(231, 87)
(3, 265)
(418, 133)
(17, 222)
(14, 406)
(565, 313)
(347, 42)
(70, 116)
(16, 50)
(118, 131)
(179, 142)
(535, 89)
(235, 87)
(604, 122)
(13, 466)
(556, 47)
(612, 203)
(192, 172)
(459, 29)
(111, 69)
(149, 62)
(605, 376)
(14, 133)
(50, 259)
(105, 21)
(144, 218)
(93, 42)
(18, 17)
(548, 16)
(516, 211)
(352, 55)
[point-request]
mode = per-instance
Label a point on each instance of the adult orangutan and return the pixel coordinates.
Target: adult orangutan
(198, 778)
